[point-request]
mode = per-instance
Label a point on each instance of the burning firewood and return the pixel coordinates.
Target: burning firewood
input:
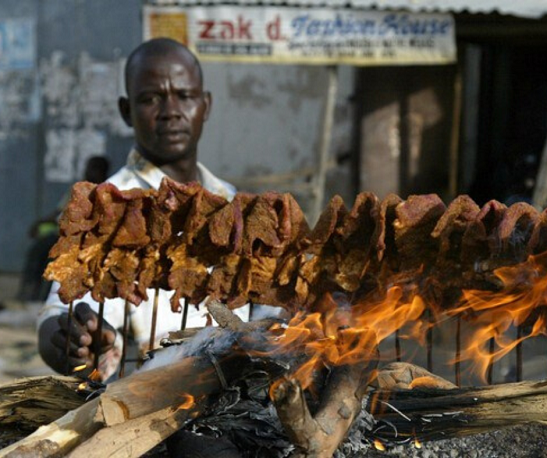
(112, 422)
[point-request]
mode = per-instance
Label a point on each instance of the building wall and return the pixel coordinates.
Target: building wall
(62, 108)
(404, 129)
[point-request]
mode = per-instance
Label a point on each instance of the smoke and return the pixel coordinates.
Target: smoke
(210, 340)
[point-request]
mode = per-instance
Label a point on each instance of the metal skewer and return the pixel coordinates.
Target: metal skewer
(251, 309)
(429, 338)
(519, 354)
(99, 337)
(490, 370)
(125, 331)
(154, 320)
(397, 346)
(67, 347)
(457, 365)
(184, 314)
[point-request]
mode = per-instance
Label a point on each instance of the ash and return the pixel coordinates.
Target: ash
(524, 441)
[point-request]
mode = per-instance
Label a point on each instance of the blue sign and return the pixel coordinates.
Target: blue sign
(17, 44)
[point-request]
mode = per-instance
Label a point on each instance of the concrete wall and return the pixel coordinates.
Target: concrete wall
(405, 121)
(62, 108)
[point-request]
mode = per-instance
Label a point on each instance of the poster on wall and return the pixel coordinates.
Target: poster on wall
(17, 44)
(295, 35)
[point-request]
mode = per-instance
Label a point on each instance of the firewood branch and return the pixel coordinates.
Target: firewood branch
(135, 400)
(431, 414)
(320, 435)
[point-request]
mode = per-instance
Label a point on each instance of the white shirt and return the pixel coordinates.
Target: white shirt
(140, 173)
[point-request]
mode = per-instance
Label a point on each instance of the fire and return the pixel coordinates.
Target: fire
(187, 403)
(95, 376)
(417, 443)
(493, 315)
(79, 368)
(341, 334)
(379, 446)
(334, 335)
(423, 382)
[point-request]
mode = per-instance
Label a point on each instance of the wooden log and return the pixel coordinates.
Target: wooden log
(135, 437)
(431, 414)
(407, 376)
(113, 421)
(59, 437)
(320, 435)
(28, 403)
(162, 390)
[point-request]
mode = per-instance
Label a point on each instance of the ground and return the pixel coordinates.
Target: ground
(18, 344)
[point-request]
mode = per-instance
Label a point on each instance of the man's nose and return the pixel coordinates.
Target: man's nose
(171, 107)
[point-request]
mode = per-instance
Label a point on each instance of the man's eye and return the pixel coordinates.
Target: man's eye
(186, 95)
(150, 99)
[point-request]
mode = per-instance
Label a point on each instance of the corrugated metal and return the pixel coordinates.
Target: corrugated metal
(523, 8)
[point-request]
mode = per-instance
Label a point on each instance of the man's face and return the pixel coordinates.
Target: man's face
(166, 107)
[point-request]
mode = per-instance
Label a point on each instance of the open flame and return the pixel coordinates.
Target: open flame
(493, 315)
(340, 334)
(379, 446)
(188, 401)
(79, 368)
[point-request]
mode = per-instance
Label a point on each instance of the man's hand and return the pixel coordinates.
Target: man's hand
(82, 334)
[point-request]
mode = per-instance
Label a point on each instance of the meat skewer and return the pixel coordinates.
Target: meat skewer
(98, 341)
(125, 332)
(69, 326)
(154, 320)
(457, 364)
(259, 248)
(184, 314)
(490, 370)
(518, 352)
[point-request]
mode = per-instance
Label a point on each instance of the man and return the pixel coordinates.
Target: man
(166, 106)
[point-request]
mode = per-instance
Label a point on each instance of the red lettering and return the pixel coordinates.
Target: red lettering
(244, 28)
(205, 29)
(227, 30)
(273, 29)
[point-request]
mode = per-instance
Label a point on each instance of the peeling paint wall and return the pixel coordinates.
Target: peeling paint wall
(267, 120)
(80, 109)
(59, 84)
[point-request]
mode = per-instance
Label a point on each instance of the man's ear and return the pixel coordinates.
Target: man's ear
(208, 99)
(125, 110)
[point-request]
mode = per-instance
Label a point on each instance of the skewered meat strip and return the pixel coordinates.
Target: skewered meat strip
(387, 249)
(260, 228)
(78, 214)
(515, 231)
(65, 268)
(260, 248)
(538, 239)
(191, 252)
(319, 268)
(357, 241)
(416, 219)
(133, 231)
(272, 277)
(479, 242)
(444, 281)
(331, 217)
(452, 225)
(188, 277)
